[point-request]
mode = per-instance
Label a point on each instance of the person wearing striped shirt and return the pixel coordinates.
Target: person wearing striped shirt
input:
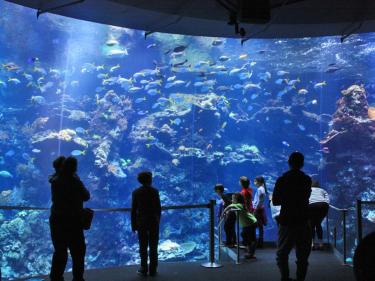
(318, 210)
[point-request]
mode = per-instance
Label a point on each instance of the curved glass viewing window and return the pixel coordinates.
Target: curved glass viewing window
(195, 111)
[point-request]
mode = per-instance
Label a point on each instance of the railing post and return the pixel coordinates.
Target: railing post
(212, 263)
(327, 227)
(335, 237)
(344, 233)
(359, 220)
(220, 241)
(238, 237)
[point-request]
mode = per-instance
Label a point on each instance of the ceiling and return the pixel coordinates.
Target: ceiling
(288, 18)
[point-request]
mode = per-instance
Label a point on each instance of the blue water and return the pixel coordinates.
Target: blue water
(193, 113)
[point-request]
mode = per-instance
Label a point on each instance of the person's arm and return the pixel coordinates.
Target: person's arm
(133, 214)
(158, 205)
(326, 196)
(260, 200)
(85, 194)
(277, 193)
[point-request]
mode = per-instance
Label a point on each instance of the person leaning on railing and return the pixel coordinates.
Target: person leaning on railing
(230, 218)
(247, 221)
(318, 210)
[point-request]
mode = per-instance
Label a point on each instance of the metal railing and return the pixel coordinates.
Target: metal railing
(220, 235)
(343, 221)
(359, 217)
(210, 206)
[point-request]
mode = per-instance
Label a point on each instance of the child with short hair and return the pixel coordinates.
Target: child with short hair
(248, 222)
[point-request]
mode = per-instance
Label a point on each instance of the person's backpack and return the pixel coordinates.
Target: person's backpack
(86, 218)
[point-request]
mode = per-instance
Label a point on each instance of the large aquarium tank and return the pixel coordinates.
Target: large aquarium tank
(195, 111)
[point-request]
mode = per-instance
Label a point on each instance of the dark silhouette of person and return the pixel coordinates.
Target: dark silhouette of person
(145, 219)
(230, 218)
(364, 257)
(292, 191)
(57, 165)
(68, 195)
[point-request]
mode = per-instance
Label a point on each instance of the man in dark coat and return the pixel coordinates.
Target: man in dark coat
(68, 195)
(145, 219)
(292, 191)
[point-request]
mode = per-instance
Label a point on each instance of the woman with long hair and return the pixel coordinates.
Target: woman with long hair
(260, 207)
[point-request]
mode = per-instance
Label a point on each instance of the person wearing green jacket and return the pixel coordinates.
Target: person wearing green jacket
(248, 222)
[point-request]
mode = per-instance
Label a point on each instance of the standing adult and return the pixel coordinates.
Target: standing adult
(68, 195)
(292, 191)
(260, 207)
(145, 219)
(318, 210)
(230, 217)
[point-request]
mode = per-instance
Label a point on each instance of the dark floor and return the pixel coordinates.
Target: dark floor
(324, 266)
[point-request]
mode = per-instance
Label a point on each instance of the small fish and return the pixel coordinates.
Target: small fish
(112, 42)
(302, 91)
(134, 89)
(217, 42)
(252, 86)
(153, 92)
(35, 150)
(10, 153)
(113, 68)
(224, 58)
(301, 127)
(80, 130)
(139, 100)
(287, 121)
(176, 121)
(245, 75)
(171, 78)
(282, 73)
(151, 46)
(320, 85)
(286, 143)
(14, 80)
(77, 152)
(5, 174)
(314, 102)
(243, 56)
(38, 100)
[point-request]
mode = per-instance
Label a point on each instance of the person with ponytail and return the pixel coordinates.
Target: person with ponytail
(259, 207)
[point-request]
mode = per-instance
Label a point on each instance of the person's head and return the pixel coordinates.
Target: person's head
(70, 165)
(237, 198)
(315, 183)
(145, 178)
(58, 163)
(244, 182)
(259, 181)
(296, 160)
(219, 189)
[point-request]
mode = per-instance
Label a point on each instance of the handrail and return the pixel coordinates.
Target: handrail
(222, 219)
(176, 207)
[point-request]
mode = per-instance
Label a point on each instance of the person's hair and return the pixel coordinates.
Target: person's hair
(239, 198)
(315, 183)
(58, 163)
(145, 178)
(296, 160)
(261, 180)
(219, 187)
(69, 167)
(245, 182)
